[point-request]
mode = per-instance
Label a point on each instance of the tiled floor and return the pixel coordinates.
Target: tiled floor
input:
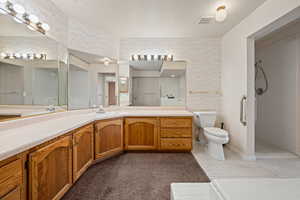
(265, 150)
(235, 167)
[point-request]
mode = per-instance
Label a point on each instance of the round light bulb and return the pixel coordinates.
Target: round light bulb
(17, 55)
(24, 56)
(11, 56)
(18, 9)
(45, 26)
(33, 19)
(18, 18)
(38, 55)
(106, 63)
(149, 57)
(3, 55)
(2, 11)
(135, 57)
(155, 57)
(221, 14)
(30, 28)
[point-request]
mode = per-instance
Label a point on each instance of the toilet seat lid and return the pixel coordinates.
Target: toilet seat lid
(217, 132)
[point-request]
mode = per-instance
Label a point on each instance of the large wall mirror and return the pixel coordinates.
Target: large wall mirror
(33, 71)
(92, 81)
(153, 82)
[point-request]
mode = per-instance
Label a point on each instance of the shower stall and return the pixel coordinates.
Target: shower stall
(277, 98)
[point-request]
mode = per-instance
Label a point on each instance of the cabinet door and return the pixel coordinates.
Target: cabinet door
(108, 138)
(11, 180)
(83, 153)
(141, 133)
(50, 170)
(13, 195)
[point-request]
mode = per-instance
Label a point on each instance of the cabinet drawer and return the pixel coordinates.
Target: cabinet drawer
(176, 132)
(10, 177)
(175, 144)
(175, 122)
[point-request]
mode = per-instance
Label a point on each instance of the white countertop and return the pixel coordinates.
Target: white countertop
(14, 140)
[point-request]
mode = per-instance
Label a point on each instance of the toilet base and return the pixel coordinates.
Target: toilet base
(216, 151)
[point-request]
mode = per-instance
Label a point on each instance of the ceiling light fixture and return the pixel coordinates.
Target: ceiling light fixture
(221, 13)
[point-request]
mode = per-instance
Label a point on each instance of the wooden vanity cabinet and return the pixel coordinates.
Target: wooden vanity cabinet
(108, 138)
(12, 180)
(83, 150)
(141, 133)
(50, 170)
(175, 134)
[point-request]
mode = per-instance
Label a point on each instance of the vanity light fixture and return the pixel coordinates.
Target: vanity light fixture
(136, 57)
(221, 13)
(24, 56)
(19, 14)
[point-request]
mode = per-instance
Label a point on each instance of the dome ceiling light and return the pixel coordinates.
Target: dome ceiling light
(19, 14)
(221, 13)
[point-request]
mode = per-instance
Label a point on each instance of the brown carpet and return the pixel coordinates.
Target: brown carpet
(136, 176)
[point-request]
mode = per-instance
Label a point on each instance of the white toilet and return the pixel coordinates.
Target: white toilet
(216, 137)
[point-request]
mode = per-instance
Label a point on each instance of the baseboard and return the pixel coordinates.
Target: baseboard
(241, 154)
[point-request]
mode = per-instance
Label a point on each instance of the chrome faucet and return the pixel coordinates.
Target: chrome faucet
(51, 108)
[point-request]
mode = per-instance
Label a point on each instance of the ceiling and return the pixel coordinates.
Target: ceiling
(156, 18)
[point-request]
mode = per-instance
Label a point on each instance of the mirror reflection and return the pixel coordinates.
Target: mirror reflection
(33, 71)
(158, 83)
(92, 81)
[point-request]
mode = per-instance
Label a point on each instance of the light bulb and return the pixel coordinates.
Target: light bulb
(221, 13)
(18, 9)
(135, 57)
(106, 63)
(30, 28)
(38, 55)
(17, 55)
(24, 55)
(149, 57)
(2, 11)
(3, 55)
(155, 57)
(18, 18)
(45, 26)
(33, 19)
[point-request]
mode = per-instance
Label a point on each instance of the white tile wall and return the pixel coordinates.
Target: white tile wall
(203, 71)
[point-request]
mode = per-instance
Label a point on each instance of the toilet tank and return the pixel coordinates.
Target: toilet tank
(205, 119)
